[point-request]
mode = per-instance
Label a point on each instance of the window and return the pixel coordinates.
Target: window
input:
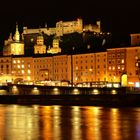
(22, 66)
(137, 64)
(113, 55)
(29, 71)
(22, 71)
(118, 67)
(122, 61)
(18, 66)
(118, 55)
(14, 61)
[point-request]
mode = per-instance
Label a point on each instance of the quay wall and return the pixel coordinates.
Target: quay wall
(44, 95)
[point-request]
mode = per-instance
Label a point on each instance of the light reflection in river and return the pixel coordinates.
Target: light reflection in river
(68, 123)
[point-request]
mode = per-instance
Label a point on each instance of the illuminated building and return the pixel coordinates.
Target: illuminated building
(124, 61)
(22, 68)
(110, 66)
(69, 27)
(98, 67)
(14, 46)
(55, 49)
(5, 69)
(65, 27)
(40, 48)
(90, 67)
(62, 68)
(43, 68)
(93, 28)
(116, 63)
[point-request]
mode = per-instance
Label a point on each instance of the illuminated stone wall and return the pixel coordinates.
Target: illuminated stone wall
(65, 27)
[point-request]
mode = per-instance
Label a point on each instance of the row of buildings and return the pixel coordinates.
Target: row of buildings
(96, 68)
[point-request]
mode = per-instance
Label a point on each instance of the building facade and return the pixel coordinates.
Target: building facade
(97, 67)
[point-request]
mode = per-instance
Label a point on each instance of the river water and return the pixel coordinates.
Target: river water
(68, 123)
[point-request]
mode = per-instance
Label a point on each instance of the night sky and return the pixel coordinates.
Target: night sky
(118, 17)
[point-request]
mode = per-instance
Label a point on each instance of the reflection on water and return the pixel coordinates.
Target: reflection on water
(68, 123)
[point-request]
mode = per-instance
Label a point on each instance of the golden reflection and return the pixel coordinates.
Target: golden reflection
(21, 123)
(46, 113)
(92, 123)
(76, 123)
(57, 121)
(2, 122)
(115, 125)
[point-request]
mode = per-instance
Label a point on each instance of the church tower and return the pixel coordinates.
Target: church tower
(17, 35)
(14, 46)
(40, 48)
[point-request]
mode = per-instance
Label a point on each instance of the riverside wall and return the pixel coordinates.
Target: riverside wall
(44, 95)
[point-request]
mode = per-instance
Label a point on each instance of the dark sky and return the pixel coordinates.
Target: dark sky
(121, 16)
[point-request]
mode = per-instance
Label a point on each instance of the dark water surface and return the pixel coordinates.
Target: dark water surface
(68, 123)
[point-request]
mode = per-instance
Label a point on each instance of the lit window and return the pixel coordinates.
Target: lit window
(122, 68)
(22, 71)
(29, 71)
(14, 61)
(109, 67)
(113, 68)
(122, 61)
(22, 66)
(118, 67)
(90, 69)
(18, 61)
(76, 68)
(18, 66)
(29, 78)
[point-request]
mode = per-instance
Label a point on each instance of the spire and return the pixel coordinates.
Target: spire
(17, 35)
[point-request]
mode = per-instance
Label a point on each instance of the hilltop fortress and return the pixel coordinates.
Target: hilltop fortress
(66, 27)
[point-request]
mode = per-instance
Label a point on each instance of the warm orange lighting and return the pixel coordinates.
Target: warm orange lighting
(114, 92)
(95, 91)
(76, 91)
(124, 80)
